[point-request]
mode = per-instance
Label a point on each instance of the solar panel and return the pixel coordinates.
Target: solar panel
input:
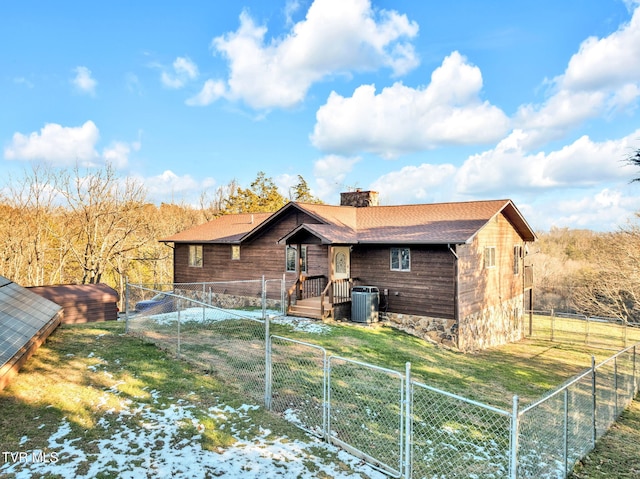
(23, 314)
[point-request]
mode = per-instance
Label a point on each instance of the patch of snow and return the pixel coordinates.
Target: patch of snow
(200, 315)
(158, 444)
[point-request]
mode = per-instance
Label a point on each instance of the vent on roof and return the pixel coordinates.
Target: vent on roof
(359, 198)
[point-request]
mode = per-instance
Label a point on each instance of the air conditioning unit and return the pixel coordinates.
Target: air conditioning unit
(364, 304)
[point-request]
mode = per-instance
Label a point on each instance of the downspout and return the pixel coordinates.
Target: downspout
(456, 299)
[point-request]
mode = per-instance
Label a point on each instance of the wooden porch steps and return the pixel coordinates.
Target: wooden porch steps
(310, 308)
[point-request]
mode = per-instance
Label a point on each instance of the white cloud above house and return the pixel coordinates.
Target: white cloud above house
(83, 81)
(362, 39)
(169, 186)
(509, 165)
(401, 119)
(601, 79)
(68, 146)
(330, 173)
(183, 71)
(57, 144)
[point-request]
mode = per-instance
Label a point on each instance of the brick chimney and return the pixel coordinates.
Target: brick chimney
(359, 198)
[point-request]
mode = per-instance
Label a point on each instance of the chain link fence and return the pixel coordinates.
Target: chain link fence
(598, 332)
(218, 326)
(562, 427)
(402, 427)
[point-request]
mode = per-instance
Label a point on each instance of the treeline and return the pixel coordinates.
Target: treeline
(585, 272)
(80, 226)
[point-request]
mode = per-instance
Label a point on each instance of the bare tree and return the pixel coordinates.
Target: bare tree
(29, 205)
(610, 285)
(102, 218)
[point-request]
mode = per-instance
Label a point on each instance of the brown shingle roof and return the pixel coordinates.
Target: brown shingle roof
(420, 223)
(224, 229)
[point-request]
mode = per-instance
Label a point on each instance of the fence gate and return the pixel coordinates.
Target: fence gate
(365, 412)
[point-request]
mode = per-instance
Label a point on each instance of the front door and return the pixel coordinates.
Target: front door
(340, 273)
(340, 265)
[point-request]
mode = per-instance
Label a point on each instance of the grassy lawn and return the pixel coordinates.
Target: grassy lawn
(528, 368)
(89, 376)
(97, 382)
(617, 454)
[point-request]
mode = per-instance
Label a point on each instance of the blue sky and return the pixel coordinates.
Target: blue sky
(421, 101)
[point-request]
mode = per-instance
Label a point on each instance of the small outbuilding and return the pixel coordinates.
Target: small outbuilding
(82, 303)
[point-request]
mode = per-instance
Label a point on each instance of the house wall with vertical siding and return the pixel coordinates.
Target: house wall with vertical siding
(491, 301)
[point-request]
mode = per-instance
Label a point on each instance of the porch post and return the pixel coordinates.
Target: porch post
(331, 272)
(299, 271)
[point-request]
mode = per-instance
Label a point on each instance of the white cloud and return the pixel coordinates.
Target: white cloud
(602, 78)
(211, 91)
(416, 184)
(509, 166)
(83, 81)
(117, 154)
(290, 8)
(361, 39)
(177, 188)
(184, 70)
(401, 119)
(601, 209)
(330, 173)
(57, 144)
(67, 146)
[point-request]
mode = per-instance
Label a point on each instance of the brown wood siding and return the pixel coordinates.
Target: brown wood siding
(260, 256)
(480, 287)
(82, 303)
(426, 290)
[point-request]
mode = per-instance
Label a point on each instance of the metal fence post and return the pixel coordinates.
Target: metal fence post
(283, 292)
(126, 307)
(204, 296)
(593, 394)
(635, 379)
(263, 298)
(553, 321)
(408, 399)
(565, 451)
(515, 426)
(615, 386)
(268, 379)
(178, 347)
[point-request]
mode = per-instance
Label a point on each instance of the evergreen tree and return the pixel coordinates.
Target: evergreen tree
(261, 196)
(302, 193)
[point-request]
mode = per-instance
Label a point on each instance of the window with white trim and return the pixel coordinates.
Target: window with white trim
(400, 259)
(195, 255)
(490, 257)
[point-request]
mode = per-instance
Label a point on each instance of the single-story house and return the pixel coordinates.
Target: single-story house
(454, 273)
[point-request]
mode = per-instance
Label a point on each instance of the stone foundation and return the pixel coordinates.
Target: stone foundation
(435, 330)
(493, 326)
